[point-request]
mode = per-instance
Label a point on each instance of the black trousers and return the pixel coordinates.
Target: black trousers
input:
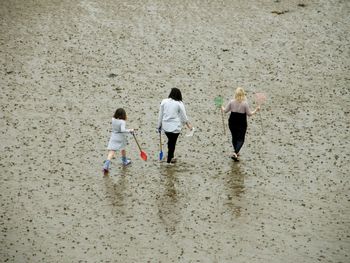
(238, 127)
(172, 138)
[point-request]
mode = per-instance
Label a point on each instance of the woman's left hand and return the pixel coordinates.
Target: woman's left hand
(257, 109)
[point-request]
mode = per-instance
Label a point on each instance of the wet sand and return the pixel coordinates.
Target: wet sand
(67, 65)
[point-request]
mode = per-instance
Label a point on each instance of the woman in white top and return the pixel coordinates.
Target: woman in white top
(239, 109)
(172, 115)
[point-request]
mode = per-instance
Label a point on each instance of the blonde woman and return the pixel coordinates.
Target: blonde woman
(239, 109)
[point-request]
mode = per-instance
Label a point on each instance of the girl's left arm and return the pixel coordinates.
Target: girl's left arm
(123, 127)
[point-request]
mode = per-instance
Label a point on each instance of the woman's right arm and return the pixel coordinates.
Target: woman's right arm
(227, 109)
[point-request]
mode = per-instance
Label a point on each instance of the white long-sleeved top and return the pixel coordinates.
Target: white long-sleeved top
(172, 115)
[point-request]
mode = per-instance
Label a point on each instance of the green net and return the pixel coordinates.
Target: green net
(218, 101)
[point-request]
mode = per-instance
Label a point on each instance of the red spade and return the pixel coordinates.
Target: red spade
(143, 155)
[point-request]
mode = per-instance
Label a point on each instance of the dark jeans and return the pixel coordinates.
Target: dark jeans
(172, 138)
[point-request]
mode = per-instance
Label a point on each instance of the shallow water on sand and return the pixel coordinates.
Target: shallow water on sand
(66, 67)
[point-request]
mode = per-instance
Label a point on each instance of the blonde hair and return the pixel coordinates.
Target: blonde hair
(240, 94)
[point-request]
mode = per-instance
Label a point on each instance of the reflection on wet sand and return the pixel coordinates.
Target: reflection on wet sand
(235, 188)
(115, 192)
(168, 207)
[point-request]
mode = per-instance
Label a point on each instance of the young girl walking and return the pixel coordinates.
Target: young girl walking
(118, 139)
(239, 110)
(172, 115)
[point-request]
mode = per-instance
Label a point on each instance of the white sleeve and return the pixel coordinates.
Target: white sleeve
(123, 128)
(183, 115)
(160, 117)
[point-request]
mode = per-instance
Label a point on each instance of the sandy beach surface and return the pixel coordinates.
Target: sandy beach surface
(66, 66)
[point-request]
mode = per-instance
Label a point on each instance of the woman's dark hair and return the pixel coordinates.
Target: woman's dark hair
(120, 114)
(175, 94)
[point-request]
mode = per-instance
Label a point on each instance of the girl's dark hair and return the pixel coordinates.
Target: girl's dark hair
(175, 94)
(120, 114)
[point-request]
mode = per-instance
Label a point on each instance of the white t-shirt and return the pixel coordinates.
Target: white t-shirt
(172, 115)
